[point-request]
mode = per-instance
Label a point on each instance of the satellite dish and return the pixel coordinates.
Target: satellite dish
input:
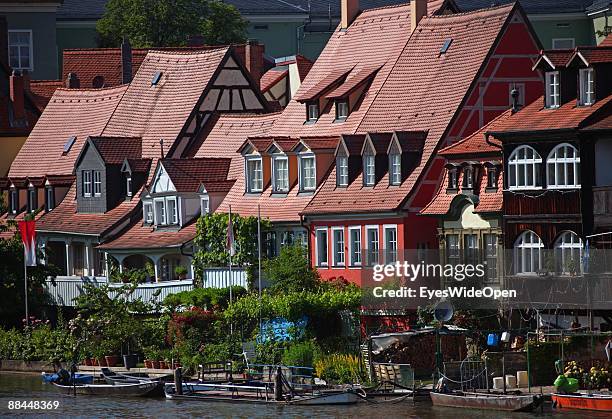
(443, 311)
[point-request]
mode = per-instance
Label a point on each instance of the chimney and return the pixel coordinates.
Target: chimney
(4, 41)
(254, 59)
(349, 9)
(516, 106)
(26, 80)
(126, 61)
(418, 9)
(72, 81)
(17, 95)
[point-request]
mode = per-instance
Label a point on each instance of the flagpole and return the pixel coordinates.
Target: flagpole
(259, 259)
(25, 286)
(230, 250)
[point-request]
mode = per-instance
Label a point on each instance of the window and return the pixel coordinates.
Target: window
(491, 178)
(160, 212)
(97, 82)
(563, 167)
(86, 183)
(204, 205)
(528, 253)
(128, 186)
(395, 169)
(14, 201)
(470, 248)
(342, 109)
(32, 199)
(254, 175)
(312, 112)
(563, 43)
(308, 173)
(524, 167)
(355, 246)
(97, 183)
(148, 213)
(453, 254)
(287, 238)
(369, 170)
(50, 198)
(390, 243)
(490, 241)
(372, 244)
(587, 86)
(468, 177)
(172, 210)
(568, 253)
(281, 174)
(20, 49)
(270, 244)
(452, 178)
(321, 239)
(552, 89)
(338, 245)
(342, 171)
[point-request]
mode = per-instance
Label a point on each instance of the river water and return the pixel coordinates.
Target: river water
(30, 387)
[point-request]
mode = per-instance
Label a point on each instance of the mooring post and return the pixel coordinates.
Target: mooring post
(278, 385)
(178, 380)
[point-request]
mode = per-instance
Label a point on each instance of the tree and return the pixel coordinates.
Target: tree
(291, 271)
(165, 23)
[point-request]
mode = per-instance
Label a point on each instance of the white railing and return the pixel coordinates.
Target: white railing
(220, 278)
(157, 291)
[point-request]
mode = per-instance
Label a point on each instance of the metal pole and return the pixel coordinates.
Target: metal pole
(229, 225)
(25, 289)
(528, 365)
(259, 259)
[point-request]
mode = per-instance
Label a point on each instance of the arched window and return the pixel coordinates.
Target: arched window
(563, 166)
(528, 253)
(568, 253)
(524, 169)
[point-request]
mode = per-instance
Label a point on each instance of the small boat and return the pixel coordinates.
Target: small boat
(142, 388)
(487, 401)
(77, 378)
(114, 378)
(581, 401)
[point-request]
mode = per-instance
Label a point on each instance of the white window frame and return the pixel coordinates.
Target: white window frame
(355, 257)
(250, 187)
(204, 205)
(526, 165)
(369, 228)
(587, 86)
(19, 46)
(491, 177)
(14, 200)
(160, 219)
(275, 178)
(387, 250)
(468, 177)
(32, 197)
(319, 261)
(173, 217)
(87, 183)
(342, 109)
(128, 185)
(338, 251)
(369, 163)
(395, 169)
(342, 171)
(555, 40)
(568, 242)
(566, 164)
(49, 198)
(312, 112)
(531, 250)
(97, 183)
(453, 177)
(147, 210)
(553, 94)
(453, 248)
(303, 186)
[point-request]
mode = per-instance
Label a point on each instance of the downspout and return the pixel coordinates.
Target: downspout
(302, 224)
(301, 28)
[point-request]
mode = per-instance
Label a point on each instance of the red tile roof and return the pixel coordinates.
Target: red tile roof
(88, 64)
(60, 180)
(271, 77)
(304, 65)
(42, 90)
(71, 112)
(554, 58)
(285, 144)
(477, 144)
(258, 144)
(145, 237)
(319, 143)
(594, 55)
(358, 79)
(188, 174)
(332, 79)
(161, 111)
(114, 150)
(140, 165)
(607, 41)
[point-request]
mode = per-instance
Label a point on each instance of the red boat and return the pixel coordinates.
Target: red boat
(600, 402)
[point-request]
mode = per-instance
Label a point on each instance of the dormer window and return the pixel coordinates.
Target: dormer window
(395, 169)
(552, 89)
(172, 210)
(308, 176)
(491, 178)
(342, 171)
(147, 209)
(452, 178)
(369, 171)
(204, 205)
(166, 211)
(342, 109)
(49, 198)
(14, 201)
(97, 176)
(312, 112)
(86, 174)
(32, 200)
(254, 175)
(468, 177)
(280, 171)
(160, 212)
(128, 186)
(587, 86)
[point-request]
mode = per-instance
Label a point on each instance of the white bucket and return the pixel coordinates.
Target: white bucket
(522, 379)
(510, 381)
(498, 383)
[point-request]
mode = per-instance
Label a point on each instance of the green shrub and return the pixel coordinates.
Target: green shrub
(301, 354)
(291, 271)
(206, 298)
(340, 369)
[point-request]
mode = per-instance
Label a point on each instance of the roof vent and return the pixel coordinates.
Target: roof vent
(156, 78)
(446, 46)
(69, 143)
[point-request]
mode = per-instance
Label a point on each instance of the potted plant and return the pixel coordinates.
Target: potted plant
(571, 266)
(150, 353)
(181, 272)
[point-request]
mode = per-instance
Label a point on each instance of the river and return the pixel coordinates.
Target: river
(24, 387)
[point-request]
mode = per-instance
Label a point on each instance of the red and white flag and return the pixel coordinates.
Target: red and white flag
(28, 236)
(230, 246)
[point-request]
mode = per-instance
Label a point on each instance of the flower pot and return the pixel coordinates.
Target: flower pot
(176, 365)
(102, 362)
(88, 362)
(148, 363)
(155, 364)
(163, 365)
(112, 360)
(130, 361)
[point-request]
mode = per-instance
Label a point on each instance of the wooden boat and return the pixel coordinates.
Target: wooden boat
(114, 378)
(600, 402)
(486, 401)
(142, 388)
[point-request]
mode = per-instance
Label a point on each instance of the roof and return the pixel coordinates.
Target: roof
(599, 5)
(42, 90)
(271, 78)
(594, 55)
(413, 99)
(114, 150)
(161, 111)
(70, 113)
(95, 62)
(554, 58)
(607, 41)
(476, 143)
(188, 174)
(358, 79)
(334, 77)
(535, 7)
(141, 236)
(81, 9)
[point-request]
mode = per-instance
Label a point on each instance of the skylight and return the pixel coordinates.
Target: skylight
(446, 46)
(156, 78)
(69, 143)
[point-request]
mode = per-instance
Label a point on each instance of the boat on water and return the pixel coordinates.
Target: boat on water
(487, 401)
(77, 378)
(582, 401)
(114, 378)
(142, 388)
